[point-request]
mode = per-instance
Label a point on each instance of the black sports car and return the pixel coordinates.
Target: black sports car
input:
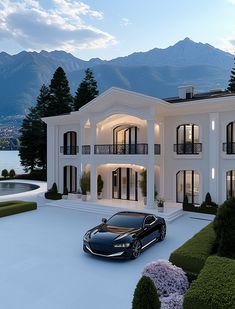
(124, 235)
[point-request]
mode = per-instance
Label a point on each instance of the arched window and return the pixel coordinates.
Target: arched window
(187, 183)
(187, 139)
(125, 139)
(70, 143)
(230, 184)
(70, 178)
(231, 138)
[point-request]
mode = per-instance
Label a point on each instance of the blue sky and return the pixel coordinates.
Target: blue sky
(108, 29)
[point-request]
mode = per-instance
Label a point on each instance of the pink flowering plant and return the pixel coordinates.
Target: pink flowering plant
(168, 279)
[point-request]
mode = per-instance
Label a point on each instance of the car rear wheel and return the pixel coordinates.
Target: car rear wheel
(136, 249)
(162, 233)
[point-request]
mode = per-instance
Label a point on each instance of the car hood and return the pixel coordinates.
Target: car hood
(111, 233)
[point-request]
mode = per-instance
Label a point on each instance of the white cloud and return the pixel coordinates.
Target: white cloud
(232, 1)
(125, 22)
(228, 45)
(61, 27)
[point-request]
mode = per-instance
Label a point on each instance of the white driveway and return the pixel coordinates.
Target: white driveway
(42, 265)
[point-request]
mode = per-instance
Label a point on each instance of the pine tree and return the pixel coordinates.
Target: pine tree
(231, 83)
(60, 98)
(29, 140)
(86, 91)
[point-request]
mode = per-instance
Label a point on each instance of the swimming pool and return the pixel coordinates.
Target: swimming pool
(7, 188)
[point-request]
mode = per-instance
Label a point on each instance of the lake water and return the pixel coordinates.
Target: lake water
(10, 160)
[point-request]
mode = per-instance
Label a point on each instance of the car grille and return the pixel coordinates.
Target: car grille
(101, 249)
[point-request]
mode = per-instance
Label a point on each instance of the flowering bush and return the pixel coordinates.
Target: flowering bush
(167, 278)
(173, 301)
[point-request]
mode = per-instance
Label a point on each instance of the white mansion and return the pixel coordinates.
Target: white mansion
(186, 144)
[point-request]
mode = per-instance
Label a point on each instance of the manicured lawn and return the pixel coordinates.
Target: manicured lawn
(42, 264)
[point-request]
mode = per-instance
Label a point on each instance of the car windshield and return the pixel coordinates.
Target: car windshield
(127, 220)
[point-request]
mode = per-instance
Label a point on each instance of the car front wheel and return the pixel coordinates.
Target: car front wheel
(136, 249)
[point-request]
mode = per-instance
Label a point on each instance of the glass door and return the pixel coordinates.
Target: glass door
(125, 184)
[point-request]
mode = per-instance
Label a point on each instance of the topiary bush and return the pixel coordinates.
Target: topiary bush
(208, 199)
(12, 173)
(145, 295)
(224, 226)
(5, 173)
(215, 286)
(52, 194)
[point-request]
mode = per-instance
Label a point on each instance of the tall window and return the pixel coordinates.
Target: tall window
(70, 143)
(70, 178)
(187, 139)
(230, 184)
(125, 139)
(231, 138)
(187, 183)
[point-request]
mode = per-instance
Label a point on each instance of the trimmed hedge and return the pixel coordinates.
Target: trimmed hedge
(192, 255)
(215, 286)
(205, 209)
(15, 207)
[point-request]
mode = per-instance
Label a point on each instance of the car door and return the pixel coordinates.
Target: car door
(150, 232)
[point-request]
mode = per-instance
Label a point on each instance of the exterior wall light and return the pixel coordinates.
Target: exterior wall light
(213, 173)
(213, 125)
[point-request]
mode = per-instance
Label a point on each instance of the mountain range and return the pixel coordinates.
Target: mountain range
(157, 72)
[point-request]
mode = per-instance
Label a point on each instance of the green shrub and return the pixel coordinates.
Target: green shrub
(100, 184)
(202, 209)
(66, 191)
(208, 199)
(12, 173)
(5, 173)
(52, 194)
(145, 295)
(34, 175)
(214, 287)
(192, 255)
(14, 207)
(143, 182)
(85, 183)
(224, 226)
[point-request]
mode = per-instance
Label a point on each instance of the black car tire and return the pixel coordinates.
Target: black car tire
(162, 233)
(136, 249)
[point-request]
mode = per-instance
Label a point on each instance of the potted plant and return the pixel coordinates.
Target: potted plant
(100, 185)
(85, 185)
(160, 204)
(79, 193)
(143, 185)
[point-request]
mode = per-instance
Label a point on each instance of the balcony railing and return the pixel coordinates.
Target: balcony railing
(86, 149)
(229, 148)
(121, 149)
(157, 149)
(188, 148)
(69, 150)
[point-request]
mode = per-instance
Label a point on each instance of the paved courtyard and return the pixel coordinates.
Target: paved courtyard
(42, 265)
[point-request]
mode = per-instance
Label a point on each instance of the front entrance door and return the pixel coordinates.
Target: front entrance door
(125, 184)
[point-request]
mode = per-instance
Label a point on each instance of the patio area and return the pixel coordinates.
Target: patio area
(169, 212)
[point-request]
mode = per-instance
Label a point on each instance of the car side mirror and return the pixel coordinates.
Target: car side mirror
(104, 220)
(147, 226)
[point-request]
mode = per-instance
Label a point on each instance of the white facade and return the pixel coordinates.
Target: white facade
(119, 134)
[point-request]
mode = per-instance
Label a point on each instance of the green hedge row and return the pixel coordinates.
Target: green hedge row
(15, 207)
(212, 210)
(192, 255)
(214, 287)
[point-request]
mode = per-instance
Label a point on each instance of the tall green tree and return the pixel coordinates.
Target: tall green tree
(231, 83)
(60, 98)
(86, 91)
(33, 138)
(29, 141)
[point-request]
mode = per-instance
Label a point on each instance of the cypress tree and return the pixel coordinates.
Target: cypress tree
(231, 83)
(86, 91)
(60, 98)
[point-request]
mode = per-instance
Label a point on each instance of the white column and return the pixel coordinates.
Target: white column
(214, 156)
(93, 177)
(150, 164)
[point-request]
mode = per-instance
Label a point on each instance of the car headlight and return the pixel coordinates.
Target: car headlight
(122, 245)
(87, 236)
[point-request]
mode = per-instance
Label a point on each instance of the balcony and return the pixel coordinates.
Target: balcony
(86, 149)
(188, 148)
(69, 150)
(157, 149)
(229, 148)
(121, 149)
